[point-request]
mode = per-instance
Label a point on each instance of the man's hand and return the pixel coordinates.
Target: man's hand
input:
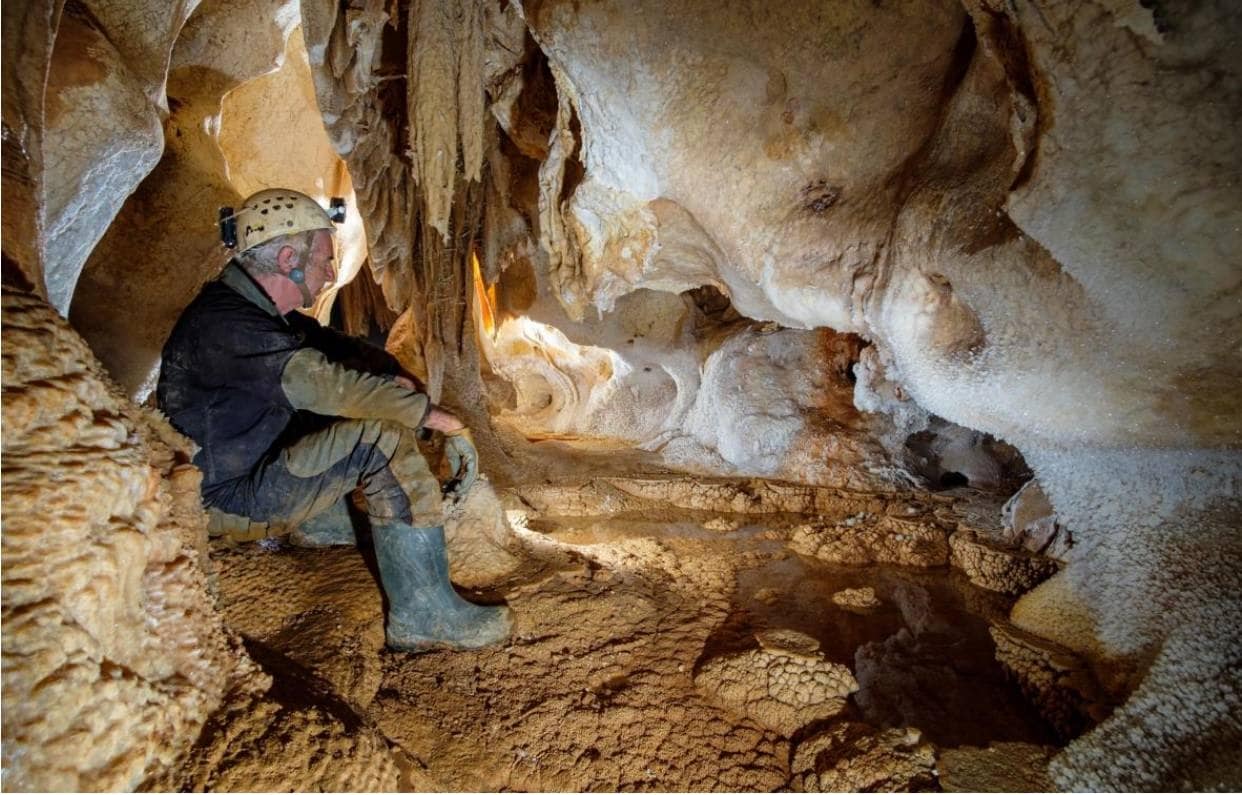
(440, 420)
(463, 461)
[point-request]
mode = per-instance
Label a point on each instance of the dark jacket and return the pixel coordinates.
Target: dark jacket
(220, 381)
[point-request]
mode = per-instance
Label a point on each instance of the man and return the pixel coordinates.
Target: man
(292, 417)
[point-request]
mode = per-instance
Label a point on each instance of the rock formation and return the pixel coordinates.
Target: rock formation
(112, 645)
(856, 272)
(784, 684)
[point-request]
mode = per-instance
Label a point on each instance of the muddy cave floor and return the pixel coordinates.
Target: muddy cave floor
(669, 635)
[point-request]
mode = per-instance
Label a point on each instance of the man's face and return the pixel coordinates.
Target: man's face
(320, 271)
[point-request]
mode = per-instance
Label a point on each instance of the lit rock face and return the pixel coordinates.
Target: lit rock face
(105, 90)
(849, 168)
(658, 374)
(1031, 212)
(113, 653)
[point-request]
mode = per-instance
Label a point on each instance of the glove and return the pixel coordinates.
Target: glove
(463, 461)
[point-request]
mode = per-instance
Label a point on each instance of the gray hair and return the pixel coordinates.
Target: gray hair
(262, 258)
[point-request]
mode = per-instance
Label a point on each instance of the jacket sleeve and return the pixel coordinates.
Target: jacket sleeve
(313, 383)
(354, 353)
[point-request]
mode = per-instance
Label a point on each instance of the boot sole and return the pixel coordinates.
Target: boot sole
(422, 643)
(302, 542)
(425, 645)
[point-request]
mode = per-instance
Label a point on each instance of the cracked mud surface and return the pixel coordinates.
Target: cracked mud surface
(654, 650)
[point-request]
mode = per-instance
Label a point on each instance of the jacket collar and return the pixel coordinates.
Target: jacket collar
(237, 278)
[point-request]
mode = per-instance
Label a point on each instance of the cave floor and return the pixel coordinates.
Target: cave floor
(617, 676)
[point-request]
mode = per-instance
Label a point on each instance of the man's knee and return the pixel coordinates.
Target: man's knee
(407, 468)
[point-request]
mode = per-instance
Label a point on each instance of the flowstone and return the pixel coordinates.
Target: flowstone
(114, 656)
(785, 684)
(854, 757)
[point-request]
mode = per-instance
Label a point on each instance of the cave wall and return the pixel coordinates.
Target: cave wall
(114, 655)
(1030, 211)
(101, 125)
(862, 168)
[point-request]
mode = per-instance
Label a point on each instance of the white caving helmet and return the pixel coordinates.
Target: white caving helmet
(274, 212)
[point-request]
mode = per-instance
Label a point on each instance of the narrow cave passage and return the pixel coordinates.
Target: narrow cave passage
(851, 389)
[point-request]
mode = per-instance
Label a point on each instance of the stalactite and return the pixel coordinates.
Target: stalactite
(470, 100)
(553, 235)
(445, 102)
(363, 309)
(432, 105)
(345, 48)
(496, 212)
(435, 276)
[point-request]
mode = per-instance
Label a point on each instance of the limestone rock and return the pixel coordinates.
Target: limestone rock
(1002, 570)
(482, 547)
(27, 51)
(1171, 720)
(1030, 522)
(785, 684)
(854, 757)
(283, 742)
(866, 538)
(311, 613)
(608, 495)
(773, 405)
(1056, 611)
(114, 656)
(860, 600)
(1057, 681)
(102, 137)
(1000, 767)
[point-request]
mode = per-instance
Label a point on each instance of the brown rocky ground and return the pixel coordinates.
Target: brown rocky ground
(666, 646)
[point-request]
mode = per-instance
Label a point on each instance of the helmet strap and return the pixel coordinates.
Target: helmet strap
(308, 300)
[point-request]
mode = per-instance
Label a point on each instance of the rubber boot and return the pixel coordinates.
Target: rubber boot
(330, 528)
(424, 612)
